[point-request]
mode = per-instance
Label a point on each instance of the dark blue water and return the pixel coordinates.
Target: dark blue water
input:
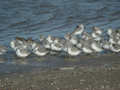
(30, 18)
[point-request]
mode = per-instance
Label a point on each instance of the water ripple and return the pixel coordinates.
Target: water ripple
(29, 18)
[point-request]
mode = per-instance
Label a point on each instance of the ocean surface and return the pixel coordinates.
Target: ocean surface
(30, 18)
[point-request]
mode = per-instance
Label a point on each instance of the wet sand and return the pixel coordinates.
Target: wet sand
(102, 73)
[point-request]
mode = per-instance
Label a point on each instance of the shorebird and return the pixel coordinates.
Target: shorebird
(67, 36)
(20, 39)
(86, 36)
(110, 32)
(71, 38)
(97, 30)
(57, 44)
(118, 32)
(31, 44)
(72, 50)
(56, 47)
(78, 30)
(22, 52)
(86, 47)
(96, 37)
(46, 44)
(96, 40)
(113, 40)
(3, 50)
(96, 46)
(39, 50)
(106, 44)
(80, 43)
(115, 48)
(118, 42)
(42, 38)
(96, 34)
(57, 40)
(113, 37)
(18, 43)
(50, 39)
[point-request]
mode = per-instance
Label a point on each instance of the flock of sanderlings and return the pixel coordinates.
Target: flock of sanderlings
(73, 44)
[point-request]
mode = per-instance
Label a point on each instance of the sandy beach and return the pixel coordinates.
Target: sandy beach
(95, 73)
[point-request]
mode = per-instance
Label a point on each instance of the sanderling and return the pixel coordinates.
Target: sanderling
(50, 39)
(96, 34)
(113, 37)
(78, 30)
(97, 30)
(18, 43)
(57, 45)
(115, 48)
(73, 40)
(72, 50)
(80, 43)
(96, 46)
(106, 44)
(86, 36)
(46, 44)
(118, 32)
(67, 36)
(110, 32)
(42, 38)
(39, 50)
(113, 34)
(31, 44)
(86, 47)
(22, 52)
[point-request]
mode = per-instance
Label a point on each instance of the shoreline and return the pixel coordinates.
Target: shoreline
(103, 74)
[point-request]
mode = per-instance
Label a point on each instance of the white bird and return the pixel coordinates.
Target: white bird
(71, 38)
(50, 39)
(96, 34)
(115, 48)
(18, 43)
(96, 46)
(31, 44)
(86, 48)
(86, 36)
(40, 50)
(97, 30)
(78, 30)
(21, 52)
(72, 50)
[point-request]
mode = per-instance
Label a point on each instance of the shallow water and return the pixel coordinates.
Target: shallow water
(30, 18)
